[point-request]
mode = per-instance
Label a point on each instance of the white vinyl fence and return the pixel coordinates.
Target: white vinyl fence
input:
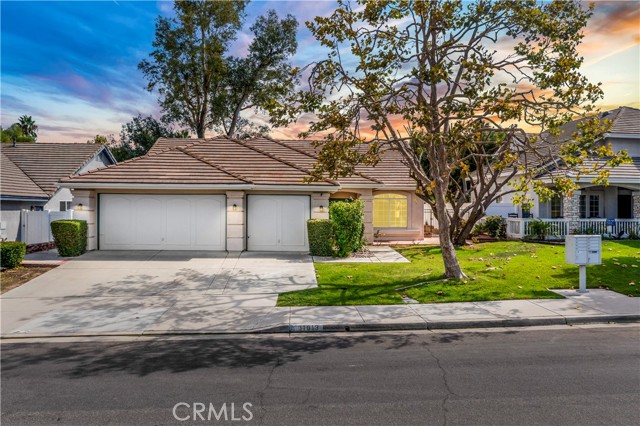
(31, 227)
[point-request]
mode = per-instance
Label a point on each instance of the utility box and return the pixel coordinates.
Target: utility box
(583, 249)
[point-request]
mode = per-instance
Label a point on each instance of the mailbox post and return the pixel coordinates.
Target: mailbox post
(583, 250)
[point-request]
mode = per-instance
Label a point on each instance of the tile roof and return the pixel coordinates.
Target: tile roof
(166, 143)
(211, 161)
(625, 120)
(622, 173)
(15, 183)
(47, 163)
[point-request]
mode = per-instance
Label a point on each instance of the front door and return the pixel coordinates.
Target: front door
(625, 206)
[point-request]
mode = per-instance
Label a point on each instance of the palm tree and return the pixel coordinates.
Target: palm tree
(28, 126)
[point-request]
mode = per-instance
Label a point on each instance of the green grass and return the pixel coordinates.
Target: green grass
(497, 271)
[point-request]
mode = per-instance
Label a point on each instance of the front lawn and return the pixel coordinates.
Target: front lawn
(500, 270)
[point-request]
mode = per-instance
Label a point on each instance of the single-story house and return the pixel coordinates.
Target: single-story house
(30, 174)
(227, 194)
(612, 209)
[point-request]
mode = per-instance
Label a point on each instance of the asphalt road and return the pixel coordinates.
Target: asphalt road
(568, 376)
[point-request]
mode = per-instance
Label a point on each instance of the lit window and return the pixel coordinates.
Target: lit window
(390, 211)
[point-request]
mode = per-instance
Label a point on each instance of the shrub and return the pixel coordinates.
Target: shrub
(70, 236)
(321, 237)
(493, 226)
(348, 221)
(12, 253)
(539, 228)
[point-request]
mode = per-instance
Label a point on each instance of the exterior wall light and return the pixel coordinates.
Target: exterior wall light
(321, 208)
(79, 206)
(235, 207)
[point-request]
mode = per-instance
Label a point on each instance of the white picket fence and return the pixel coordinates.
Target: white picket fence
(519, 228)
(35, 226)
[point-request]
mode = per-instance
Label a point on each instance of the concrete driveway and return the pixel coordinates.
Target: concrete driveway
(137, 291)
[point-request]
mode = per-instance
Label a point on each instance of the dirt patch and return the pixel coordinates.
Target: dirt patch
(12, 278)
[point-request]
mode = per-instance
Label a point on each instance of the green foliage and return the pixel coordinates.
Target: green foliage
(539, 229)
(28, 127)
(12, 253)
(348, 220)
(436, 90)
(14, 133)
(138, 136)
(70, 237)
(321, 237)
(201, 87)
(493, 226)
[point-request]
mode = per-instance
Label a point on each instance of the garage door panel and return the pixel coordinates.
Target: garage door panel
(118, 218)
(277, 222)
(162, 222)
(149, 221)
(179, 222)
(209, 222)
(294, 218)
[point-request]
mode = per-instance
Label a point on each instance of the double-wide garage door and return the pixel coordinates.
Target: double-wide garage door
(277, 222)
(162, 222)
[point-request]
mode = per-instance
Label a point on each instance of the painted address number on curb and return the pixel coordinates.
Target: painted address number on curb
(305, 328)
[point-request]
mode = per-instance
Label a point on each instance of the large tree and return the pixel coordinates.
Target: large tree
(450, 86)
(138, 136)
(188, 64)
(262, 77)
(28, 126)
(202, 87)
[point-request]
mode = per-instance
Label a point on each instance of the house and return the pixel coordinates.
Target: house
(30, 174)
(227, 194)
(613, 209)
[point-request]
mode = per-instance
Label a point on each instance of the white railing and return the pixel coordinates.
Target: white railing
(519, 228)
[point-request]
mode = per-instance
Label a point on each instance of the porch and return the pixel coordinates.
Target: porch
(519, 228)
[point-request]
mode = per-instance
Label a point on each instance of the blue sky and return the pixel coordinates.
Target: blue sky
(73, 65)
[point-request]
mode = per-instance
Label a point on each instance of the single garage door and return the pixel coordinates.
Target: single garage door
(277, 222)
(162, 222)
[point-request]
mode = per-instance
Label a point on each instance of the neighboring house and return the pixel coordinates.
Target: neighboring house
(588, 209)
(31, 171)
(226, 194)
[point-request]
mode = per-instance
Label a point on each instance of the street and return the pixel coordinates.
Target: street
(538, 376)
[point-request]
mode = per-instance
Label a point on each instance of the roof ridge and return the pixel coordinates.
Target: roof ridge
(215, 166)
(24, 173)
(282, 143)
(268, 154)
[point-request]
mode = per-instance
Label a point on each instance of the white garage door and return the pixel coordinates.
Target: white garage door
(277, 222)
(162, 222)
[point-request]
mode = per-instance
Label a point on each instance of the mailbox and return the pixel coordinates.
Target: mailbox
(583, 249)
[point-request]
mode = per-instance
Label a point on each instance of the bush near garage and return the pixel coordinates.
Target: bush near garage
(348, 222)
(12, 253)
(321, 237)
(70, 237)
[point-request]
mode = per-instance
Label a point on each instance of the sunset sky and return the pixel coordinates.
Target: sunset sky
(72, 66)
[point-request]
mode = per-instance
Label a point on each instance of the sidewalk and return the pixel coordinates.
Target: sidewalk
(258, 315)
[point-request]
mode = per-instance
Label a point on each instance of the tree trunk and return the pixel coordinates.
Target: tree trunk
(452, 267)
(200, 131)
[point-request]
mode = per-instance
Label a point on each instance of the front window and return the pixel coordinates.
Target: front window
(390, 211)
(556, 207)
(594, 206)
(65, 205)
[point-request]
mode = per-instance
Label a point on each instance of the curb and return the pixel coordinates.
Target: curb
(345, 328)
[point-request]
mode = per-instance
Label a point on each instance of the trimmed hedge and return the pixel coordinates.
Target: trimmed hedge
(12, 253)
(70, 236)
(321, 237)
(348, 220)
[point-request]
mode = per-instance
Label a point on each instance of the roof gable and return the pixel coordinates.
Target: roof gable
(47, 163)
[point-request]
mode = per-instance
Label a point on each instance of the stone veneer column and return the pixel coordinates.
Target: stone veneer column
(320, 205)
(636, 204)
(85, 206)
(236, 225)
(571, 210)
(367, 198)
